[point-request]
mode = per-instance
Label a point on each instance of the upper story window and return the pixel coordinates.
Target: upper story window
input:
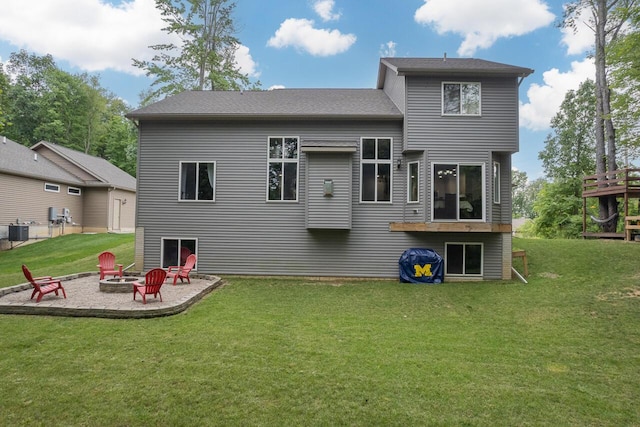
(375, 169)
(461, 99)
(54, 188)
(413, 179)
(458, 192)
(197, 180)
(282, 175)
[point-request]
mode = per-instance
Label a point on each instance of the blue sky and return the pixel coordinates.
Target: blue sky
(323, 44)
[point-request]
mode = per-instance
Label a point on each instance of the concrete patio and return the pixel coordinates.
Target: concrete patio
(84, 298)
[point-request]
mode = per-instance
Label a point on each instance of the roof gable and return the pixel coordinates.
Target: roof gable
(17, 159)
(101, 170)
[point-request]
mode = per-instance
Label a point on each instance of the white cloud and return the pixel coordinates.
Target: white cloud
(275, 87)
(481, 23)
(245, 62)
(89, 34)
(92, 35)
(301, 34)
(545, 100)
(579, 41)
(324, 8)
(388, 49)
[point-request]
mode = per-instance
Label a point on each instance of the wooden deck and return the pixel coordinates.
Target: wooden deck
(624, 184)
(617, 182)
(451, 227)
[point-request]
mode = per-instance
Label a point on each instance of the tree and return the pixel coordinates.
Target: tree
(119, 143)
(518, 193)
(206, 58)
(624, 57)
(27, 109)
(523, 194)
(606, 19)
(4, 98)
(569, 150)
(558, 210)
(73, 110)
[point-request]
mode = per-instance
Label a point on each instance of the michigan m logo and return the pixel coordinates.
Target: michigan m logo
(422, 270)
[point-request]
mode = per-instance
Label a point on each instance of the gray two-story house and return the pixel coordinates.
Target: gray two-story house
(334, 182)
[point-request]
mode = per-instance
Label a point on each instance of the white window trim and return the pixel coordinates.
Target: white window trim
(215, 180)
(461, 113)
(496, 182)
(283, 160)
(409, 201)
(70, 189)
(484, 192)
(48, 184)
(377, 162)
(179, 239)
(446, 261)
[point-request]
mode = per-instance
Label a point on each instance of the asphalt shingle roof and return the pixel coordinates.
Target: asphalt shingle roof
(272, 104)
(317, 103)
(16, 159)
(428, 66)
(105, 172)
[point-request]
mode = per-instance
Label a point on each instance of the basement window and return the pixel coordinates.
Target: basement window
(175, 251)
(463, 259)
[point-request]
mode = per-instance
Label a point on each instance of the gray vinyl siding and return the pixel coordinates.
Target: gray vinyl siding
(495, 130)
(241, 232)
(502, 212)
(394, 87)
(333, 212)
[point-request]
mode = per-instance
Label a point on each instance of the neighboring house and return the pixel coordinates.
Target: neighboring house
(334, 182)
(56, 190)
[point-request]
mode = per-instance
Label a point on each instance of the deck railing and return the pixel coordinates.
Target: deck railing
(617, 181)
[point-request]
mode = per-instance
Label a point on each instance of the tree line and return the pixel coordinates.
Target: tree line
(595, 131)
(39, 101)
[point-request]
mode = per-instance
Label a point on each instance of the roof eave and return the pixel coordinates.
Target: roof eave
(46, 178)
(464, 73)
(260, 117)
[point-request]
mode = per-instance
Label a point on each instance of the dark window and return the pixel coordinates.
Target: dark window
(463, 259)
(375, 166)
(176, 251)
(457, 192)
(197, 180)
(283, 168)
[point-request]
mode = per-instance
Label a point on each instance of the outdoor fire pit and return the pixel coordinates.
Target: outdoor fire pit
(117, 285)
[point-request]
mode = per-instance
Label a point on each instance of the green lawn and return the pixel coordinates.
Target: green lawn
(562, 350)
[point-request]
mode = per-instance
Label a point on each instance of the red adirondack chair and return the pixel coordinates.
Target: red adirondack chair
(182, 271)
(43, 285)
(153, 281)
(108, 265)
(184, 253)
